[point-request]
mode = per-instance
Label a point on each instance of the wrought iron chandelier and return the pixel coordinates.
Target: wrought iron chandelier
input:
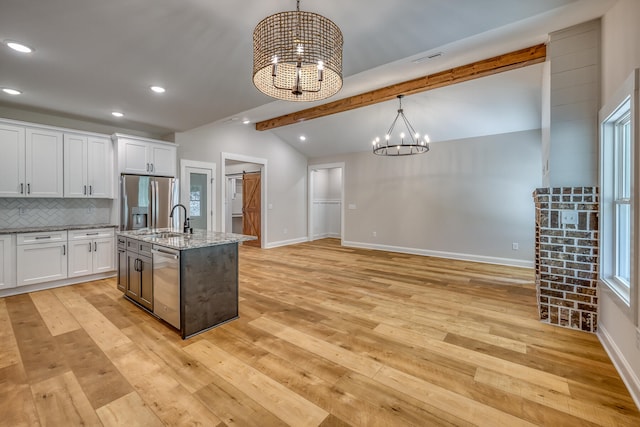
(401, 143)
(297, 56)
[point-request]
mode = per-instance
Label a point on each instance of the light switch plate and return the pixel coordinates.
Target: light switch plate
(568, 217)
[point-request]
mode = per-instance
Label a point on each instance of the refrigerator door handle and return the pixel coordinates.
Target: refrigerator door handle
(152, 205)
(155, 208)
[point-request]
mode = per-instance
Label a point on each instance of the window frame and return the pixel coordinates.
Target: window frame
(622, 105)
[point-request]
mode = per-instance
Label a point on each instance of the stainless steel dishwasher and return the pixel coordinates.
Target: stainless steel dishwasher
(166, 284)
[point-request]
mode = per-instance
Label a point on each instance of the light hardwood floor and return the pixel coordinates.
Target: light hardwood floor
(327, 336)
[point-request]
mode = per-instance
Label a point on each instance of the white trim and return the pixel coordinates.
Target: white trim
(439, 254)
(116, 136)
(55, 284)
(617, 358)
(311, 168)
(263, 189)
(285, 243)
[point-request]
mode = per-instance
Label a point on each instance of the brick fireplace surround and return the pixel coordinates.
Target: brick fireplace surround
(566, 257)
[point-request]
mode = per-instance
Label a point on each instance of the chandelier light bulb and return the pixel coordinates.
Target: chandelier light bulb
(387, 137)
(402, 135)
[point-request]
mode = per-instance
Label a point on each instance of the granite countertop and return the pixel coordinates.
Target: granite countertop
(173, 239)
(53, 228)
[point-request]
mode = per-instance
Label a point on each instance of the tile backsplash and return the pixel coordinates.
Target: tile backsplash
(18, 212)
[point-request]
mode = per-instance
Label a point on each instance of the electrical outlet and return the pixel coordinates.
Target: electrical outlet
(515, 246)
(22, 211)
(375, 234)
(568, 217)
(285, 231)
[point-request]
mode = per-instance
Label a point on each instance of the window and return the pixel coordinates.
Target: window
(195, 207)
(619, 193)
(622, 199)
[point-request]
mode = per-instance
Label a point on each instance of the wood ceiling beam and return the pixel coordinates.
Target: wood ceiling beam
(486, 67)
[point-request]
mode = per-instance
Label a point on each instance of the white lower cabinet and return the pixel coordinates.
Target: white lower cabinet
(7, 261)
(91, 251)
(41, 257)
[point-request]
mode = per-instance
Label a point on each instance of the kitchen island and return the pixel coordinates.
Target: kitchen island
(188, 280)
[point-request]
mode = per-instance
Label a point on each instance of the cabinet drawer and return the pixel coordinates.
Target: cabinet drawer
(132, 245)
(94, 233)
(34, 238)
(144, 248)
(122, 242)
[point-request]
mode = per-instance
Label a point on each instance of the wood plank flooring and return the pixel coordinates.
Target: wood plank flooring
(327, 336)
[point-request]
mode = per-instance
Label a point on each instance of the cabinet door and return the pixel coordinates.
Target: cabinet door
(123, 272)
(146, 282)
(100, 167)
(133, 282)
(135, 157)
(163, 160)
(12, 161)
(80, 258)
(7, 261)
(75, 166)
(43, 168)
(103, 252)
(41, 262)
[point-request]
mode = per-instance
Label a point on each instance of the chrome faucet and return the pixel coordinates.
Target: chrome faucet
(185, 226)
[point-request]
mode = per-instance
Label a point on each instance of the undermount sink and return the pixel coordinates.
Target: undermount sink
(168, 234)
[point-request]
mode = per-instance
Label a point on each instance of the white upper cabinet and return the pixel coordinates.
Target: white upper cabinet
(163, 160)
(145, 157)
(12, 161)
(88, 166)
(43, 171)
(31, 162)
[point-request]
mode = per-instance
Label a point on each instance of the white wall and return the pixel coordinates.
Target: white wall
(620, 55)
(286, 187)
(468, 199)
(574, 97)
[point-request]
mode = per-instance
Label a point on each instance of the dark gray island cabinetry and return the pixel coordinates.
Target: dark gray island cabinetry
(194, 280)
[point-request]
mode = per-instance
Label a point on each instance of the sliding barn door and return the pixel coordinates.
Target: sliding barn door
(251, 202)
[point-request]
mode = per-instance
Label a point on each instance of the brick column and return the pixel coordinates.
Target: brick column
(566, 257)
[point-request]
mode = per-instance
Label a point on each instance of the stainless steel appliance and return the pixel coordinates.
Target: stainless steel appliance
(146, 201)
(166, 284)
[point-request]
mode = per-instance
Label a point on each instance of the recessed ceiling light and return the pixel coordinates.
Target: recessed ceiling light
(158, 89)
(10, 91)
(117, 114)
(303, 138)
(18, 47)
(246, 121)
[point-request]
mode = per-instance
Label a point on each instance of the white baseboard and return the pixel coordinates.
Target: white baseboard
(54, 284)
(440, 254)
(286, 242)
(326, 235)
(620, 362)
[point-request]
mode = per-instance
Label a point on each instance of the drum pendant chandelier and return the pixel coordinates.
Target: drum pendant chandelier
(297, 56)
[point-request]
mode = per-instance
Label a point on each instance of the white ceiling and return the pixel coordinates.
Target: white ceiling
(95, 56)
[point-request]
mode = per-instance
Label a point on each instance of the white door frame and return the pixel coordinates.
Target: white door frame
(184, 189)
(310, 169)
(263, 189)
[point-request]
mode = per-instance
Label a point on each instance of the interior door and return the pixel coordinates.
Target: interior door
(199, 200)
(251, 203)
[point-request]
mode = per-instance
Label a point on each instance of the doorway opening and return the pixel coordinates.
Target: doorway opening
(244, 195)
(326, 201)
(198, 192)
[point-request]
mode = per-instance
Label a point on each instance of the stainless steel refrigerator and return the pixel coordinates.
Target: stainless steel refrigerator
(146, 202)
